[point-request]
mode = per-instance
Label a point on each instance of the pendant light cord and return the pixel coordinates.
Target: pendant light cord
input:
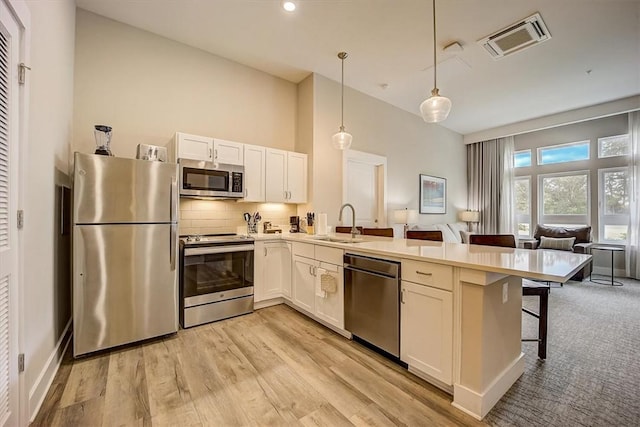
(342, 56)
(435, 86)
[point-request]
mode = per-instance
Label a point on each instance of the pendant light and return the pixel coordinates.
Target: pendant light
(436, 108)
(342, 140)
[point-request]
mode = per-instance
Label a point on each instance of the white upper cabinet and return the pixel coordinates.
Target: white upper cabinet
(228, 152)
(276, 175)
(194, 147)
(286, 176)
(254, 173)
(297, 177)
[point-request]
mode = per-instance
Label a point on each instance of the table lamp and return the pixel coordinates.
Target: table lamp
(405, 216)
(469, 217)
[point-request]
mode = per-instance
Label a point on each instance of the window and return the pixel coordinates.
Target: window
(612, 146)
(613, 204)
(523, 205)
(563, 153)
(522, 158)
(564, 198)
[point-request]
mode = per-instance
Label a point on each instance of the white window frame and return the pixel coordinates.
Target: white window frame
(539, 152)
(611, 219)
(604, 138)
(524, 218)
(523, 151)
(563, 219)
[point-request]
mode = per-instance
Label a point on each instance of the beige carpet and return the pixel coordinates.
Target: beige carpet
(592, 373)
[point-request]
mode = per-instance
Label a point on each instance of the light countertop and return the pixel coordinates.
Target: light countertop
(552, 265)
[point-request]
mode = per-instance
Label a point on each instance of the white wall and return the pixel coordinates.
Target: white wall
(47, 304)
(148, 87)
(410, 145)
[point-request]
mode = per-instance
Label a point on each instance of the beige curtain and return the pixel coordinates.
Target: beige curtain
(633, 242)
(490, 183)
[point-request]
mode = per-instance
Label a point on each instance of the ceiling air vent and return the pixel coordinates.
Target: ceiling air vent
(524, 34)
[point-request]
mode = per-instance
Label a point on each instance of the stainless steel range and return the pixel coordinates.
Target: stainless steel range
(216, 278)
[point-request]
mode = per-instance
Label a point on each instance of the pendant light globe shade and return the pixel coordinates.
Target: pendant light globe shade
(342, 140)
(436, 108)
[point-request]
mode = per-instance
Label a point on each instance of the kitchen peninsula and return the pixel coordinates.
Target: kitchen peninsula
(460, 304)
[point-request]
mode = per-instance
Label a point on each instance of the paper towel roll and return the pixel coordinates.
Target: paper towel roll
(321, 224)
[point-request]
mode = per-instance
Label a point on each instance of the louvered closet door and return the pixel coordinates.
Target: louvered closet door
(9, 51)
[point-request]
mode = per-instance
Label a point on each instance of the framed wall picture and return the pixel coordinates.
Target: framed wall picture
(433, 195)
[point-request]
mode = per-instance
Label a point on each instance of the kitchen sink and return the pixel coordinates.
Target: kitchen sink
(338, 239)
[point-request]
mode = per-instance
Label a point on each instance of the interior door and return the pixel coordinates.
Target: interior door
(9, 126)
(364, 187)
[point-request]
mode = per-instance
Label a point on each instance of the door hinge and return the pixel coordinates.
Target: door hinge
(21, 72)
(21, 362)
(20, 219)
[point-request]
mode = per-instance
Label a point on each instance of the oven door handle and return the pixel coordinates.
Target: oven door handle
(217, 249)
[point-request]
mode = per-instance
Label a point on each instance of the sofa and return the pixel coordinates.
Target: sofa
(559, 238)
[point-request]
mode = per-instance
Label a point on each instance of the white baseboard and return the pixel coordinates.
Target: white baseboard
(39, 390)
(479, 404)
(267, 303)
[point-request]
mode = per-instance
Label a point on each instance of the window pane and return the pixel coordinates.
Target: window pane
(522, 196)
(522, 158)
(563, 153)
(613, 146)
(565, 195)
(616, 196)
(524, 229)
(615, 232)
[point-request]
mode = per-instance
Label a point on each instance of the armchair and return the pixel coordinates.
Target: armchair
(581, 244)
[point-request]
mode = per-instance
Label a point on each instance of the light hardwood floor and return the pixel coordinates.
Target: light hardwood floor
(272, 367)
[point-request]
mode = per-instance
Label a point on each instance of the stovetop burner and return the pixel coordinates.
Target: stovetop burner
(195, 239)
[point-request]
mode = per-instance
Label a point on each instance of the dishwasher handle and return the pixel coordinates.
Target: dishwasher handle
(373, 273)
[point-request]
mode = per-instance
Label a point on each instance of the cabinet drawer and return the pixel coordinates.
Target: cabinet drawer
(426, 273)
(329, 255)
(303, 249)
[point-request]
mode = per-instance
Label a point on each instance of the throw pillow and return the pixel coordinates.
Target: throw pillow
(561, 244)
(465, 235)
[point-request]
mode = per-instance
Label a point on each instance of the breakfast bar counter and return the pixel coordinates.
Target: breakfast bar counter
(470, 342)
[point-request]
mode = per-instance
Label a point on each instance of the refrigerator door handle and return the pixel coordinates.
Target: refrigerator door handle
(173, 200)
(172, 245)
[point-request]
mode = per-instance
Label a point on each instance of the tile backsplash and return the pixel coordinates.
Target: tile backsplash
(225, 216)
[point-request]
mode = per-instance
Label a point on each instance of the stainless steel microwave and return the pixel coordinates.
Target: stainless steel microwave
(206, 179)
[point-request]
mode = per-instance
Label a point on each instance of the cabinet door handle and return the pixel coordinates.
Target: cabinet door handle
(285, 195)
(310, 270)
(210, 154)
(402, 296)
(265, 251)
(315, 271)
(215, 154)
(422, 273)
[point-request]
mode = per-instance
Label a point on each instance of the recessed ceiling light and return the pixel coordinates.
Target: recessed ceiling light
(289, 6)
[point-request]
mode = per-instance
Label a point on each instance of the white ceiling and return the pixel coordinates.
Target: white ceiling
(592, 57)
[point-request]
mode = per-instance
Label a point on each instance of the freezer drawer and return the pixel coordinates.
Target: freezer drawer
(124, 284)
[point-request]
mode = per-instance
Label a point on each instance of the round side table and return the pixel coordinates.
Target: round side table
(613, 250)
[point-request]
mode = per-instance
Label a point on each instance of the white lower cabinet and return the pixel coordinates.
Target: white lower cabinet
(329, 304)
(304, 283)
(426, 330)
(272, 270)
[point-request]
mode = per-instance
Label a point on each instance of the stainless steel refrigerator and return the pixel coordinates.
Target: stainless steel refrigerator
(125, 284)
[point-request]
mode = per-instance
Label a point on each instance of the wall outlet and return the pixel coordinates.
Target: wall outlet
(505, 292)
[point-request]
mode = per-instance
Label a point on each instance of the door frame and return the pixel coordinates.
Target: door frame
(22, 16)
(380, 162)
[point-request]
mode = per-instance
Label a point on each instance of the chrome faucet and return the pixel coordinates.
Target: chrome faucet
(354, 230)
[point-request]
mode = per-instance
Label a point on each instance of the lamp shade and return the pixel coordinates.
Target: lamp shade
(342, 140)
(405, 216)
(469, 216)
(435, 109)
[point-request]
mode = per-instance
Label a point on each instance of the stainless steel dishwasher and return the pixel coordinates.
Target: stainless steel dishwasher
(372, 301)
